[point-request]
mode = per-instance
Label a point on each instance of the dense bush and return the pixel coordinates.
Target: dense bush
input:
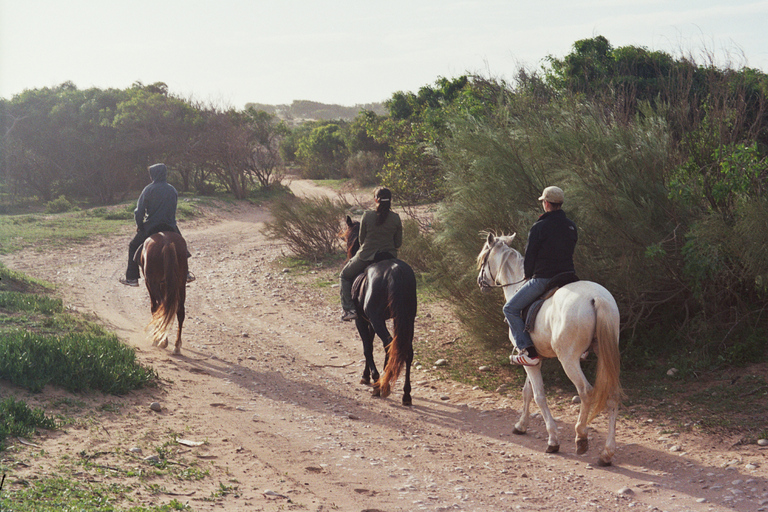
(310, 227)
(683, 251)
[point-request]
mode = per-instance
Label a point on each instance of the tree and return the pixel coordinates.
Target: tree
(266, 133)
(323, 152)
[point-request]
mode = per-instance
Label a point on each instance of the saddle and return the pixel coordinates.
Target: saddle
(360, 279)
(560, 280)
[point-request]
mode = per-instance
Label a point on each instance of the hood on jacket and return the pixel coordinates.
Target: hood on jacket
(158, 172)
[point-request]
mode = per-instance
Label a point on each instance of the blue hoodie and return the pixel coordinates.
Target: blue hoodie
(157, 202)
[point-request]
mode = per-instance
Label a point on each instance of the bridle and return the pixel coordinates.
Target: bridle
(485, 285)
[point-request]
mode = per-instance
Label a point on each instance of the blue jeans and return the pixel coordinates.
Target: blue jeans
(513, 309)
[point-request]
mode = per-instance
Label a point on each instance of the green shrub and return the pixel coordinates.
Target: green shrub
(75, 361)
(60, 205)
(17, 419)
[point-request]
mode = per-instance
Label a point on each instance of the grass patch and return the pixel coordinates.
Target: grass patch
(17, 419)
(41, 344)
(53, 494)
(74, 361)
(61, 230)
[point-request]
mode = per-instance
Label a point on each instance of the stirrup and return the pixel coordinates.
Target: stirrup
(190, 277)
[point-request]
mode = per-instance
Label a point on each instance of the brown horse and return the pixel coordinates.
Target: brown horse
(163, 261)
(386, 289)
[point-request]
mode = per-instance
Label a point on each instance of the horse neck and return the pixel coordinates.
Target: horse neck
(510, 271)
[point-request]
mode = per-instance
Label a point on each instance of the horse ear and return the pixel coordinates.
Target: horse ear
(508, 239)
(490, 239)
(349, 221)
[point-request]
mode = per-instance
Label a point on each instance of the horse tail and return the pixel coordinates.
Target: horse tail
(169, 302)
(607, 384)
(402, 305)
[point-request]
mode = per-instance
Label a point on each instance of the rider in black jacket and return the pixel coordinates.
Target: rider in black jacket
(549, 252)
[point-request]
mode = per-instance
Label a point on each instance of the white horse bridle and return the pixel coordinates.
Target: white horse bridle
(483, 283)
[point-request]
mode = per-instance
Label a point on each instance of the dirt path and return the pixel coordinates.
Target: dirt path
(268, 380)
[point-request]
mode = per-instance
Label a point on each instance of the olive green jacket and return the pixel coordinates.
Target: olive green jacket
(387, 237)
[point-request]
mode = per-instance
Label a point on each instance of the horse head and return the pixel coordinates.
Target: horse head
(351, 237)
(491, 259)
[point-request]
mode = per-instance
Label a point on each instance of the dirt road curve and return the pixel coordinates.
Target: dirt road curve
(268, 379)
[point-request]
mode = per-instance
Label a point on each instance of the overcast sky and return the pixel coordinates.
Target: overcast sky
(231, 52)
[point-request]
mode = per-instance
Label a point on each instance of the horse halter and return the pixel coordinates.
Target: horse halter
(484, 285)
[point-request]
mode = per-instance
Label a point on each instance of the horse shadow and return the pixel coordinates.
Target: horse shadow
(495, 425)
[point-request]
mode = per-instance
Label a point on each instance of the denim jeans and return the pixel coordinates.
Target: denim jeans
(513, 309)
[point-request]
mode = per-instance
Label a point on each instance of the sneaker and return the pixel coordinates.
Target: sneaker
(349, 316)
(129, 282)
(190, 277)
(522, 358)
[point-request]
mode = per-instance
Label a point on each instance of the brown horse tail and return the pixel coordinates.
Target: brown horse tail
(607, 385)
(165, 313)
(402, 303)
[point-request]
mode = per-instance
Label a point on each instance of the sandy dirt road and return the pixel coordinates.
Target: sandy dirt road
(268, 381)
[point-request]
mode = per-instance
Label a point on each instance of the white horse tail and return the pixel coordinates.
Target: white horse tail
(607, 385)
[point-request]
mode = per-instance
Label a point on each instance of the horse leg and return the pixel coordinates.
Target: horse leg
(573, 370)
(606, 456)
(180, 314)
(521, 427)
(366, 335)
(379, 326)
(537, 383)
(407, 386)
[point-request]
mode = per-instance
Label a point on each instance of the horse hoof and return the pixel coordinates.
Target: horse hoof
(365, 381)
(176, 352)
(553, 448)
(603, 463)
(407, 401)
(376, 392)
(518, 432)
(582, 445)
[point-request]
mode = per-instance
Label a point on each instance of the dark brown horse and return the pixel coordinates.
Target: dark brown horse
(163, 261)
(386, 289)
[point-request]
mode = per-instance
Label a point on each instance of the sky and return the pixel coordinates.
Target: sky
(347, 52)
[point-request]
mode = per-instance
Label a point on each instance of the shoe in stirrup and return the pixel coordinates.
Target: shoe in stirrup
(129, 282)
(190, 277)
(349, 315)
(523, 359)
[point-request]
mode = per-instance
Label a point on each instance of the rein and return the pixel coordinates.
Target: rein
(503, 262)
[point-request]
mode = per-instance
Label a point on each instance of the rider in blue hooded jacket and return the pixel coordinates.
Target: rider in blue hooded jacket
(155, 212)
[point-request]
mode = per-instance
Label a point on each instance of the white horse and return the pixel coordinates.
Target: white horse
(579, 316)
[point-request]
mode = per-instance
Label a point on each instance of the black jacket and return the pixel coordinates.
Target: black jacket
(551, 242)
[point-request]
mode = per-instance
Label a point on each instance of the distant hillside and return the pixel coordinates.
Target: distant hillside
(305, 110)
